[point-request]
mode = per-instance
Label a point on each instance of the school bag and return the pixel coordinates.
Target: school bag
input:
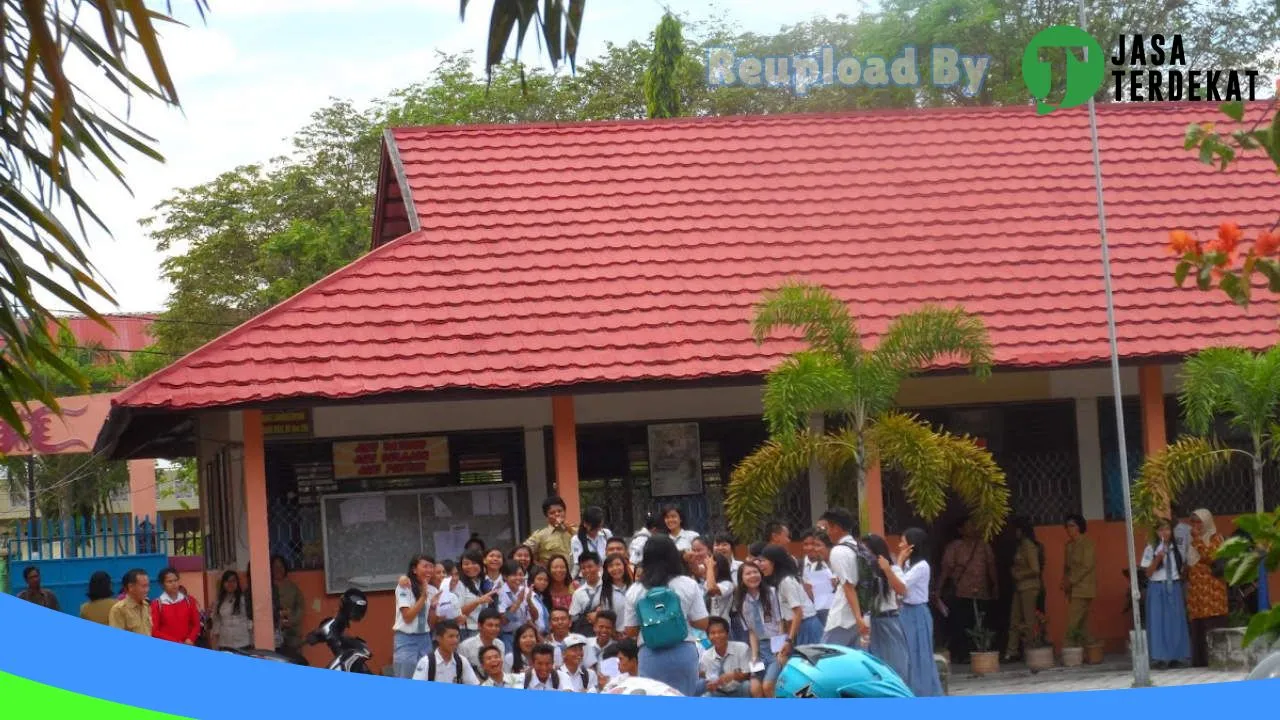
(662, 623)
(580, 624)
(866, 586)
(457, 668)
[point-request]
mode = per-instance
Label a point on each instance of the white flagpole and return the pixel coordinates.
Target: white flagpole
(1141, 667)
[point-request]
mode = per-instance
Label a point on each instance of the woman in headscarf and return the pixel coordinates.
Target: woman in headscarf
(1206, 593)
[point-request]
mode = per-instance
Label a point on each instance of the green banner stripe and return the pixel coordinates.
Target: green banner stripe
(36, 699)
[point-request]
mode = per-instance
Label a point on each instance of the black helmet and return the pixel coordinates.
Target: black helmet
(353, 605)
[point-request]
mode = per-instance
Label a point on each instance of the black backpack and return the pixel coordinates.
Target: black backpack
(866, 587)
(457, 668)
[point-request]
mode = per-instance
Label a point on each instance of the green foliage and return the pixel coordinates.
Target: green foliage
(1245, 557)
(51, 127)
(661, 94)
(983, 637)
(556, 22)
(1164, 475)
(835, 376)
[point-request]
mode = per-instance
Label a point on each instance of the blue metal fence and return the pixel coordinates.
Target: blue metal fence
(67, 553)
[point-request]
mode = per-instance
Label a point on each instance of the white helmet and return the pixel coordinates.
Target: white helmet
(1267, 669)
(640, 686)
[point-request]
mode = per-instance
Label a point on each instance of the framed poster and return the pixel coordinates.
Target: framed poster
(675, 460)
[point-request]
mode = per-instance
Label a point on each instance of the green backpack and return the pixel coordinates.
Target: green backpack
(662, 623)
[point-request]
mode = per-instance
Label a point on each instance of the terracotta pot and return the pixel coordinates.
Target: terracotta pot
(984, 663)
(1093, 654)
(1040, 658)
(1072, 656)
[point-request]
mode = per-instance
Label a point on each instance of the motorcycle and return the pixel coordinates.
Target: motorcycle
(835, 671)
(350, 653)
(1268, 668)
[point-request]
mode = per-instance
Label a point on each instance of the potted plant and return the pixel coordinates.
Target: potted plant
(983, 660)
(1094, 652)
(1040, 655)
(1073, 651)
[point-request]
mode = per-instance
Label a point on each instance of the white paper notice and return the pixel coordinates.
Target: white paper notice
(823, 592)
(776, 642)
(757, 667)
(498, 502)
(355, 511)
(442, 510)
(609, 668)
(450, 543)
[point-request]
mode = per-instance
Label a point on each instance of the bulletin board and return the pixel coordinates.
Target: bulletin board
(369, 537)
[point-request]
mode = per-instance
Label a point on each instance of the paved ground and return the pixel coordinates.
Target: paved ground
(1115, 674)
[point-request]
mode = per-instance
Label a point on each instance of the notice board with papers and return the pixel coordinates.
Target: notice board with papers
(369, 537)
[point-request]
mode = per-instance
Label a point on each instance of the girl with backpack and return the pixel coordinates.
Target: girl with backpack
(1166, 608)
(756, 603)
(782, 574)
(663, 610)
(232, 621)
(888, 640)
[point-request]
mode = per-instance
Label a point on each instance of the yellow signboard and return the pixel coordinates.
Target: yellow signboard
(391, 458)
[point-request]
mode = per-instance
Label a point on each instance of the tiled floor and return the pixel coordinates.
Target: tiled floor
(1113, 675)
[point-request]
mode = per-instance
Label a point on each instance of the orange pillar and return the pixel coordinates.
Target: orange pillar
(142, 491)
(255, 501)
(565, 433)
(1151, 394)
(874, 512)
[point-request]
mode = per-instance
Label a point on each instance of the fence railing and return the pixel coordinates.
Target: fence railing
(98, 537)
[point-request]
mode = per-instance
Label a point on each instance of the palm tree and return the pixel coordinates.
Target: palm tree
(1243, 387)
(836, 376)
(52, 128)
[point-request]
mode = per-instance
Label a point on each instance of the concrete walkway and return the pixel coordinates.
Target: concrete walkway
(1114, 674)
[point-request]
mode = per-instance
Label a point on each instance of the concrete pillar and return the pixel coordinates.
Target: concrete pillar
(565, 434)
(1089, 455)
(535, 474)
(817, 476)
(255, 498)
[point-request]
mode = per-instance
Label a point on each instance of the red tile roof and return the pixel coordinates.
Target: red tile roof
(634, 251)
(128, 333)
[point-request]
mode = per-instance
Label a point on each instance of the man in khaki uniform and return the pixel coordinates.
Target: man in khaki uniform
(554, 539)
(1079, 580)
(1023, 624)
(131, 614)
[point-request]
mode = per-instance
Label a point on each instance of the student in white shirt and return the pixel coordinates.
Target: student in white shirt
(493, 561)
(520, 657)
(725, 667)
(888, 641)
(626, 653)
(652, 525)
(798, 611)
(725, 545)
(756, 602)
(559, 629)
(472, 593)
(515, 601)
(444, 664)
(616, 579)
(1164, 565)
(544, 675)
(819, 582)
(492, 670)
(416, 602)
(676, 666)
(586, 599)
(912, 568)
(673, 521)
(606, 629)
(592, 535)
(618, 546)
(581, 678)
(490, 629)
(844, 622)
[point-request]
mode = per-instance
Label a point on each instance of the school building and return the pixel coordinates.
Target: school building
(567, 309)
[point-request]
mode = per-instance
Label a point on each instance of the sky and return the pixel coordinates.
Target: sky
(253, 71)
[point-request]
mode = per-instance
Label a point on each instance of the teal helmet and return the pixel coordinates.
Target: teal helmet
(835, 671)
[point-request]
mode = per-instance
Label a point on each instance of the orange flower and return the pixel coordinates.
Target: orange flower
(1267, 243)
(1229, 234)
(1181, 242)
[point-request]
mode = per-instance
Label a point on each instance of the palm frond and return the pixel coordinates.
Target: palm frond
(1207, 381)
(921, 338)
(760, 479)
(934, 462)
(820, 315)
(1164, 475)
(804, 383)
